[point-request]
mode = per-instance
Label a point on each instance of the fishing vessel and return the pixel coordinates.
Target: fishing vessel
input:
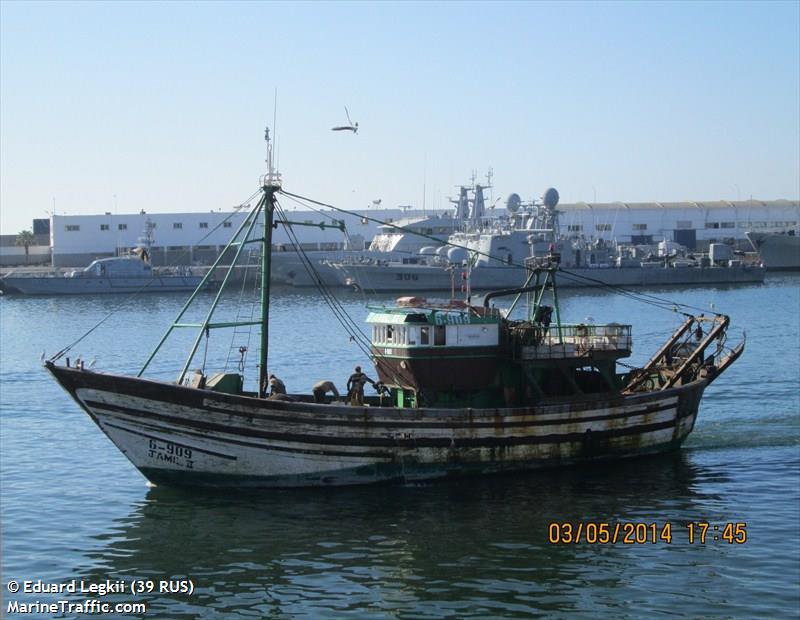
(463, 389)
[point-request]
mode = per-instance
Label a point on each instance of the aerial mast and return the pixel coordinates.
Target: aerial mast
(270, 185)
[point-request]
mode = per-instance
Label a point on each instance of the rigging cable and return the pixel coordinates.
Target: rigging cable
(240, 313)
(349, 324)
(360, 288)
(334, 305)
(133, 294)
(659, 302)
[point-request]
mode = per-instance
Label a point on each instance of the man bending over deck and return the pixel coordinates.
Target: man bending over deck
(321, 388)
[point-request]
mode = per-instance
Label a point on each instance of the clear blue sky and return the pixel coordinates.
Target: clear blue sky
(164, 104)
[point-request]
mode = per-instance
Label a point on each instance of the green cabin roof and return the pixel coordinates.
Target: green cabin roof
(430, 315)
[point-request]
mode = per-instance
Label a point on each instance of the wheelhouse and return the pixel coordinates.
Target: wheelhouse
(435, 347)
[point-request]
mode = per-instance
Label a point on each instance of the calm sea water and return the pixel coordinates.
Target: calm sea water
(72, 507)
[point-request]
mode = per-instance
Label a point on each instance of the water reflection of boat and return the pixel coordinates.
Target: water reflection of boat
(463, 390)
(386, 549)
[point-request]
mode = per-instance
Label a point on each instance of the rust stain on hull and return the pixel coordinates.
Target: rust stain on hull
(237, 440)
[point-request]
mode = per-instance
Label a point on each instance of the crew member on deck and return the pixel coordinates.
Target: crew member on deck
(355, 386)
(276, 386)
(321, 388)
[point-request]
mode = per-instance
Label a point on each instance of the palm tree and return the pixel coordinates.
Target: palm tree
(26, 239)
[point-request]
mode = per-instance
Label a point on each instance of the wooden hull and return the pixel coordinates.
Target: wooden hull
(184, 436)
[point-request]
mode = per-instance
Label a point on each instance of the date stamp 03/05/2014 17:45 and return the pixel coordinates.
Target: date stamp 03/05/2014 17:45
(642, 533)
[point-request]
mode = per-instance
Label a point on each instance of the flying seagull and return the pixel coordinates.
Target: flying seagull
(351, 127)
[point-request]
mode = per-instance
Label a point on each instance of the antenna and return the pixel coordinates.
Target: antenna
(272, 177)
(424, 181)
(275, 115)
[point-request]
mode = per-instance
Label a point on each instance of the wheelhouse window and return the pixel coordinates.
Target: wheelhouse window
(424, 335)
(439, 335)
(397, 335)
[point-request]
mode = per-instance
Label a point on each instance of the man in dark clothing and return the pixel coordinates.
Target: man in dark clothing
(355, 386)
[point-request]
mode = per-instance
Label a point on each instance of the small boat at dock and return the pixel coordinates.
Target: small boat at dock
(131, 273)
(119, 274)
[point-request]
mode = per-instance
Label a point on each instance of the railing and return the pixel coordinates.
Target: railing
(539, 342)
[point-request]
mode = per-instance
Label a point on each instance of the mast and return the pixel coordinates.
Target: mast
(270, 184)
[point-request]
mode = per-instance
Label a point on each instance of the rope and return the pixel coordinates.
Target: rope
(254, 287)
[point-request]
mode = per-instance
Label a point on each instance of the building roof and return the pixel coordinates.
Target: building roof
(698, 204)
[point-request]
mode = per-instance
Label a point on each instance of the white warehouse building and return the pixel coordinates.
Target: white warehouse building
(692, 224)
(197, 238)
